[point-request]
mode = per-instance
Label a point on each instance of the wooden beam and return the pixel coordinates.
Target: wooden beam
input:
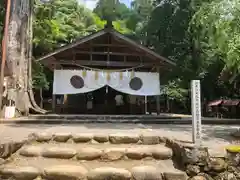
(91, 50)
(106, 63)
(73, 54)
(49, 66)
(54, 96)
(110, 53)
(110, 45)
(108, 50)
(51, 63)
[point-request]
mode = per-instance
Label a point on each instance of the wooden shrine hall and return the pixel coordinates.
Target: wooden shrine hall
(105, 73)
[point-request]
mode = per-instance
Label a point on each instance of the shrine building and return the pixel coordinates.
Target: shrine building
(91, 72)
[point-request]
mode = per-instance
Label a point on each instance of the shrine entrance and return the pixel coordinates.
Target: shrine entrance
(100, 101)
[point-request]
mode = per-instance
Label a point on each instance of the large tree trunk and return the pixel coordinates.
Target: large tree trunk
(19, 57)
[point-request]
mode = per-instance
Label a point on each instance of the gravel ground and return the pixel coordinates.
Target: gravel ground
(215, 137)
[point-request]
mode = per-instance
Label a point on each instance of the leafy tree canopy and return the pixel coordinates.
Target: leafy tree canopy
(111, 10)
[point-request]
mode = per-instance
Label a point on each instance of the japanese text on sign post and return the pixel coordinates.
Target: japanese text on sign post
(196, 112)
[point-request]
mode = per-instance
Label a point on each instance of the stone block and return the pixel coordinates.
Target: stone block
(198, 178)
(198, 156)
(113, 154)
(59, 152)
(101, 138)
(61, 137)
(82, 137)
(161, 152)
(149, 139)
(31, 151)
(20, 173)
(105, 173)
(192, 170)
(135, 153)
(217, 164)
(204, 176)
(89, 154)
(225, 176)
(175, 175)
(65, 172)
(42, 137)
(124, 138)
(146, 173)
(233, 159)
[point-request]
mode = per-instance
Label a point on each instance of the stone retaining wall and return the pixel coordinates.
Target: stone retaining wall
(198, 164)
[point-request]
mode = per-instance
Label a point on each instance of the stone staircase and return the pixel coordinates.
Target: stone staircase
(87, 156)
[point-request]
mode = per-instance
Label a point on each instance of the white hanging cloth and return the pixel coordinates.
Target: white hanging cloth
(142, 84)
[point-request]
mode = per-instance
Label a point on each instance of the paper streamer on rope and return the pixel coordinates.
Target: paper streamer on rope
(121, 75)
(108, 75)
(84, 73)
(96, 75)
(132, 74)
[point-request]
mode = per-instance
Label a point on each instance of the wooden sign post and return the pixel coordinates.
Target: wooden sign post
(196, 112)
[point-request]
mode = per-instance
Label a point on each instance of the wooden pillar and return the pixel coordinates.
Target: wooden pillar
(54, 95)
(65, 99)
(158, 97)
(158, 104)
(53, 103)
(145, 103)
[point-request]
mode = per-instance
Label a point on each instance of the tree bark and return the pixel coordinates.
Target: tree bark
(20, 57)
(34, 105)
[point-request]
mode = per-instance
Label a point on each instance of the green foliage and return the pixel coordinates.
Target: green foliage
(143, 8)
(217, 24)
(120, 26)
(60, 22)
(39, 77)
(111, 10)
(140, 15)
(174, 91)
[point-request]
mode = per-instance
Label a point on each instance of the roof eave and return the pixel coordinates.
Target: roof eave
(102, 32)
(143, 47)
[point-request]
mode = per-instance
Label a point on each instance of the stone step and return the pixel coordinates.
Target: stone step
(54, 169)
(117, 138)
(102, 117)
(102, 152)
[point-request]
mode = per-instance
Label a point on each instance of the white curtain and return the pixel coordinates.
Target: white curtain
(116, 80)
